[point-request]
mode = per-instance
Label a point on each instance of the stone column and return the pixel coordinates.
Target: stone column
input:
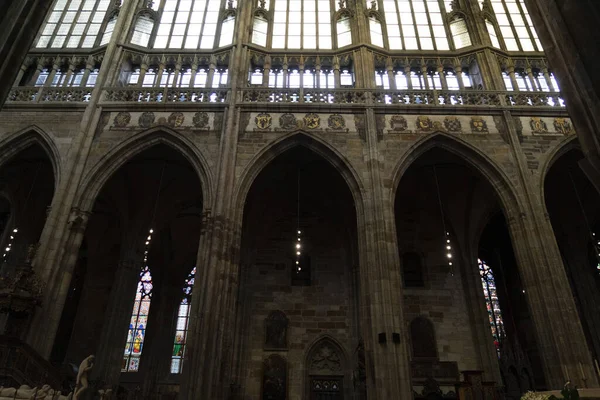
(143, 71)
(534, 86)
(69, 74)
(337, 81)
(38, 71)
(407, 75)
(20, 75)
(177, 73)
(89, 67)
(390, 74)
(211, 71)
(548, 80)
(266, 71)
(57, 254)
(513, 79)
(562, 344)
(116, 320)
(425, 76)
(440, 70)
(52, 74)
(459, 77)
(194, 72)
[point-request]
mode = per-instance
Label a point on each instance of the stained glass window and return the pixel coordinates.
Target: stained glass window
(139, 317)
(183, 316)
(492, 304)
(74, 23)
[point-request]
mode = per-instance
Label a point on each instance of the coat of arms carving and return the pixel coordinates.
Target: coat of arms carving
(263, 121)
(424, 124)
(538, 125)
(563, 126)
(176, 119)
(122, 119)
(200, 120)
(336, 122)
(146, 119)
(288, 121)
(312, 121)
(398, 123)
(452, 124)
(479, 125)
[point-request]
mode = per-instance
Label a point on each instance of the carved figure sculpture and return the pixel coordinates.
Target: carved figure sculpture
(82, 383)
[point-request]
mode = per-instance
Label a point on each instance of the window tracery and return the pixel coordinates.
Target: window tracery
(415, 25)
(492, 304)
(183, 316)
(139, 316)
(76, 24)
(513, 25)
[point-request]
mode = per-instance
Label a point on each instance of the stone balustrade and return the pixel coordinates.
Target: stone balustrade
(474, 98)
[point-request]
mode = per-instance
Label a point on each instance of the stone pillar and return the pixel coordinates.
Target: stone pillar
(390, 74)
(440, 70)
(425, 76)
(513, 79)
(89, 67)
(211, 71)
(266, 71)
(69, 75)
(459, 77)
(407, 75)
(318, 73)
(38, 71)
(20, 75)
(548, 80)
(534, 86)
(560, 338)
(116, 320)
(52, 74)
(160, 72)
(337, 81)
(177, 73)
(194, 72)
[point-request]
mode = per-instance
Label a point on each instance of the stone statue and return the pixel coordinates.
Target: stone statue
(82, 383)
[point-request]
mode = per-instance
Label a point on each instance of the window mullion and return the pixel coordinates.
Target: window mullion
(531, 38)
(400, 26)
(187, 27)
(74, 23)
(447, 29)
(512, 26)
(431, 32)
(58, 24)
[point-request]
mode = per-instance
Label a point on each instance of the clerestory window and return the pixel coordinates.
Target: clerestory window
(76, 24)
(188, 24)
(514, 26)
(303, 24)
(415, 25)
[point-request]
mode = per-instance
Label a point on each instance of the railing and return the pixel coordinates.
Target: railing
(21, 365)
(164, 95)
(49, 95)
(403, 97)
(330, 96)
(476, 98)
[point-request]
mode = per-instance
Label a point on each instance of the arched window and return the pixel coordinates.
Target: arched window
(142, 30)
(491, 28)
(302, 24)
(227, 31)
(109, 29)
(515, 26)
(73, 24)
(460, 33)
(344, 32)
(492, 304)
(139, 321)
(415, 25)
(259, 30)
(183, 317)
(422, 337)
(376, 34)
(188, 24)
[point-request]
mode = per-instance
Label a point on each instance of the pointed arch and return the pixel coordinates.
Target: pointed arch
(100, 173)
(476, 159)
(566, 145)
(27, 137)
(287, 142)
(326, 358)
